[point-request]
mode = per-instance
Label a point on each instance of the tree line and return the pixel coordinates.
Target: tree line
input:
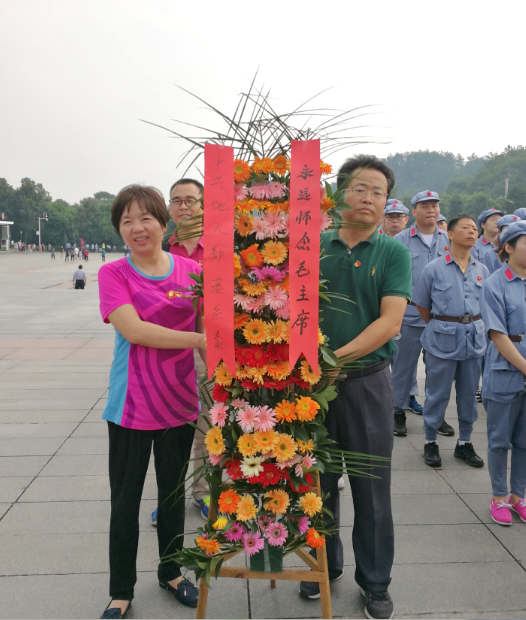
(465, 185)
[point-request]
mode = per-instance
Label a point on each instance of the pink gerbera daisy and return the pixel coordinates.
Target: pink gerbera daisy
(265, 419)
(259, 227)
(255, 304)
(269, 274)
(298, 470)
(276, 297)
(235, 532)
(303, 524)
(252, 543)
(284, 312)
(290, 463)
(276, 534)
(240, 192)
(241, 300)
(276, 190)
(274, 224)
(264, 521)
(260, 191)
(325, 221)
(285, 225)
(308, 461)
(246, 418)
(219, 414)
(215, 460)
(239, 402)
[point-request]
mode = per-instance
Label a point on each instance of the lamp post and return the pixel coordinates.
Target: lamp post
(44, 217)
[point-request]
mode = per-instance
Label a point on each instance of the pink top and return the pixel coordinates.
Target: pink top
(150, 388)
(196, 255)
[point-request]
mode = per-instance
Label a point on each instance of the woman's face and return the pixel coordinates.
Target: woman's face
(518, 253)
(140, 230)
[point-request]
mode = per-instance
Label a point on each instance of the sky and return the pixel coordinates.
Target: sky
(78, 76)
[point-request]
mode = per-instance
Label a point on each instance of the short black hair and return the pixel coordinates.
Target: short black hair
(451, 225)
(365, 161)
(198, 184)
(80, 266)
(503, 255)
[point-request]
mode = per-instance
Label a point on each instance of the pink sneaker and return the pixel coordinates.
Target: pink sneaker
(519, 508)
(500, 512)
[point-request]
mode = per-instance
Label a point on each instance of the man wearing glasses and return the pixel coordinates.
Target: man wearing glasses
(426, 241)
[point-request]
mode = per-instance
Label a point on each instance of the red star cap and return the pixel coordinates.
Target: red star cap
(429, 193)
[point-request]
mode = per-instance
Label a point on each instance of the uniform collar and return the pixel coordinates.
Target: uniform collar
(509, 274)
(451, 261)
(415, 232)
(485, 241)
(372, 239)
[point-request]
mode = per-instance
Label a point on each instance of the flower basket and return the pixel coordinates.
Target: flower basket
(268, 560)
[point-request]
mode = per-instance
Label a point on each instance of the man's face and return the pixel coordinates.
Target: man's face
(366, 195)
(464, 234)
(185, 202)
(426, 212)
(443, 225)
(490, 225)
(395, 223)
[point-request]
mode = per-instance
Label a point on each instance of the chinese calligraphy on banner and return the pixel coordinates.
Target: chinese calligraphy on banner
(304, 251)
(218, 262)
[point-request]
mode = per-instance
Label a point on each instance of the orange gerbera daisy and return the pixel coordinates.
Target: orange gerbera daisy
(252, 256)
(242, 171)
(214, 441)
(281, 165)
(257, 374)
(262, 166)
(277, 331)
(254, 290)
(306, 408)
(240, 320)
(305, 446)
(286, 283)
(285, 411)
(327, 204)
(246, 508)
(273, 252)
(244, 224)
(310, 503)
(325, 168)
(315, 540)
(278, 501)
(208, 545)
(237, 266)
(255, 331)
(228, 501)
(307, 373)
(266, 440)
(247, 445)
(223, 377)
(278, 370)
(284, 449)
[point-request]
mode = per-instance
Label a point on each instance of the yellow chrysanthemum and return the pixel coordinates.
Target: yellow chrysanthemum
(305, 446)
(274, 252)
(247, 445)
(244, 224)
(321, 337)
(214, 441)
(246, 508)
(307, 373)
(242, 372)
(254, 290)
(278, 370)
(266, 440)
(220, 523)
(257, 374)
(255, 331)
(310, 503)
(223, 377)
(284, 449)
(278, 501)
(277, 331)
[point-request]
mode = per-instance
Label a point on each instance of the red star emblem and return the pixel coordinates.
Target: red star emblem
(479, 278)
(447, 247)
(357, 263)
(429, 193)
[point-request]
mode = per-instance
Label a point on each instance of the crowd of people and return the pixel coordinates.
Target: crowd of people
(455, 290)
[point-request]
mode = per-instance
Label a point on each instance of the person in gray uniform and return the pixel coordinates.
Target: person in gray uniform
(447, 296)
(426, 241)
(487, 223)
(442, 223)
(491, 259)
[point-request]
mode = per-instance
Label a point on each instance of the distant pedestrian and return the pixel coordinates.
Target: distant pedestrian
(93, 247)
(86, 254)
(53, 253)
(103, 255)
(96, 247)
(49, 247)
(79, 278)
(114, 248)
(61, 251)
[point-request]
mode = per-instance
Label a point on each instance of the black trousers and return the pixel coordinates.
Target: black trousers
(360, 419)
(79, 284)
(128, 463)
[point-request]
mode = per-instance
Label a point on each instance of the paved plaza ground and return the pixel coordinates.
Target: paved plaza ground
(451, 561)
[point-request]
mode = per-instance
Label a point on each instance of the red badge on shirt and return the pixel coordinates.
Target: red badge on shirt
(172, 294)
(479, 278)
(357, 263)
(447, 247)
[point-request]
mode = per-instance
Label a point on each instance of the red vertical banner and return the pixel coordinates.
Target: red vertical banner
(304, 251)
(218, 259)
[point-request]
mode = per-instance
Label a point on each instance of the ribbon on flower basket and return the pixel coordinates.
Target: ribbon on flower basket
(304, 251)
(218, 263)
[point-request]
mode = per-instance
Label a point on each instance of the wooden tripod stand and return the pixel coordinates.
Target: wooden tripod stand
(319, 571)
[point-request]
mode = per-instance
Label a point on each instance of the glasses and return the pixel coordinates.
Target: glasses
(395, 216)
(177, 202)
(361, 192)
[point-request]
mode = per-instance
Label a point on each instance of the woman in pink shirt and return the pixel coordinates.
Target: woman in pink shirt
(153, 389)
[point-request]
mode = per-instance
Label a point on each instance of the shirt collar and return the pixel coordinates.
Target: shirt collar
(415, 232)
(509, 274)
(450, 260)
(371, 239)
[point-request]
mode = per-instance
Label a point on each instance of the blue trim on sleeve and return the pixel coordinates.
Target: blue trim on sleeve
(144, 275)
(118, 380)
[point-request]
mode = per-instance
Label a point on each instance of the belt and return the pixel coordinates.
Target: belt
(463, 318)
(368, 370)
(516, 338)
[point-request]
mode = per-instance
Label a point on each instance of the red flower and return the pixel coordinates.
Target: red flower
(233, 469)
(249, 385)
(242, 355)
(298, 381)
(270, 475)
(220, 394)
(256, 356)
(278, 352)
(275, 384)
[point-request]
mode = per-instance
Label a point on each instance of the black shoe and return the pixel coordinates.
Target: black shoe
(446, 429)
(378, 605)
(479, 395)
(114, 613)
(186, 593)
(400, 429)
(432, 455)
(311, 589)
(467, 453)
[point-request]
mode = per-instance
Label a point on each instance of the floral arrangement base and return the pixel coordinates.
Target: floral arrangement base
(268, 560)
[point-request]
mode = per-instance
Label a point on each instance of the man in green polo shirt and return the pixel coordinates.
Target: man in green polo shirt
(374, 272)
